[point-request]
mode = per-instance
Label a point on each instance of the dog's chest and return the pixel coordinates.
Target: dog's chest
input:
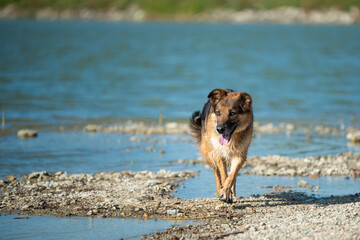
(223, 151)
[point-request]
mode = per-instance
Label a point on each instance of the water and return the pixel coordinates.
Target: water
(65, 72)
(69, 74)
(83, 228)
(75, 152)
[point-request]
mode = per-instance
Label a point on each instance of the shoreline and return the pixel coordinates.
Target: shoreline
(149, 195)
(282, 15)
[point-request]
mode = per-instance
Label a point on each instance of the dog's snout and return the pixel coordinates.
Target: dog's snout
(220, 129)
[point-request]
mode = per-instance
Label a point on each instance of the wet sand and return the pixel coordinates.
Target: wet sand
(149, 195)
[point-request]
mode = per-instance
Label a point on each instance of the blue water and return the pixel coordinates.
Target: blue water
(66, 72)
(83, 228)
(72, 73)
(75, 152)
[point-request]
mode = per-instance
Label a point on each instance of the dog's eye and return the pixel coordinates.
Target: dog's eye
(217, 112)
(232, 113)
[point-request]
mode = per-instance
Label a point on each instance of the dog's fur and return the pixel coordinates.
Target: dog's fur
(223, 130)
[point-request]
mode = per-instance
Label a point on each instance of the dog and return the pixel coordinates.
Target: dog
(223, 131)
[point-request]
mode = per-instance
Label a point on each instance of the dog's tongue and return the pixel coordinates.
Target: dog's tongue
(224, 139)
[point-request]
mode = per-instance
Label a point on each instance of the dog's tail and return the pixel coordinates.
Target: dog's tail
(195, 126)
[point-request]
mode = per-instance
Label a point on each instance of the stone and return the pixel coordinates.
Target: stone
(220, 206)
(36, 175)
(302, 183)
(92, 128)
(11, 178)
(27, 133)
(172, 211)
(353, 135)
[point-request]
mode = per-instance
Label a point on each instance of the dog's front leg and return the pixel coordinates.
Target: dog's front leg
(228, 191)
(221, 165)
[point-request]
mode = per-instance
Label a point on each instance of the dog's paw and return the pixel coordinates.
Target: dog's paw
(226, 195)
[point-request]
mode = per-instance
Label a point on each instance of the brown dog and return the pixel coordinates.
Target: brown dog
(223, 130)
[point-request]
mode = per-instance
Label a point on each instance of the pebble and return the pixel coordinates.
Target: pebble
(353, 135)
(37, 175)
(27, 133)
(220, 206)
(11, 178)
(302, 183)
(92, 128)
(172, 211)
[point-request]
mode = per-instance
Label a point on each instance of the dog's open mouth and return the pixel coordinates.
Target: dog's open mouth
(225, 138)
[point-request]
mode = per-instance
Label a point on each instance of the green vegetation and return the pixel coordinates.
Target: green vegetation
(179, 6)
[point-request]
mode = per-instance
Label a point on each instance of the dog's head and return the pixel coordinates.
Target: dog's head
(233, 112)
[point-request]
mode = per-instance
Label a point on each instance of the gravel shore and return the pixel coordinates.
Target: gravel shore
(147, 195)
(344, 164)
(278, 216)
(136, 14)
(111, 194)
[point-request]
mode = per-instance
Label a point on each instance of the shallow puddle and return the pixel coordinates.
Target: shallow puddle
(36, 227)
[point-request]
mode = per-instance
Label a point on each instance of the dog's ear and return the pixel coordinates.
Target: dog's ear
(216, 95)
(245, 102)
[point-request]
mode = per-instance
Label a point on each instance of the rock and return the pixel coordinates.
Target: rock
(134, 139)
(302, 183)
(181, 161)
(25, 207)
(150, 149)
(147, 197)
(92, 128)
(314, 175)
(27, 133)
(36, 175)
(270, 172)
(220, 206)
(11, 178)
(353, 135)
(192, 162)
(172, 211)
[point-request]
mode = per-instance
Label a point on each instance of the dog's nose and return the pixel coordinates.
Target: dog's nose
(220, 129)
